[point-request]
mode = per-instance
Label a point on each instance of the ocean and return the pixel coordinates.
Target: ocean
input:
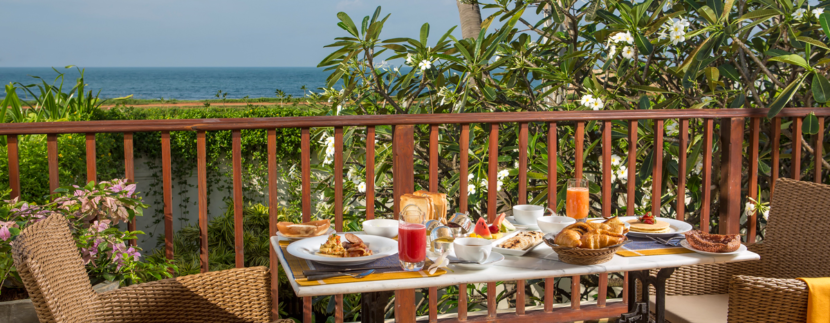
(181, 83)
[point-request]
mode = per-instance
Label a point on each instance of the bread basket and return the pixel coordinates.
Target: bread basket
(580, 256)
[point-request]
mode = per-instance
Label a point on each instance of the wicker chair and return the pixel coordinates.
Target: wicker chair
(52, 270)
(795, 245)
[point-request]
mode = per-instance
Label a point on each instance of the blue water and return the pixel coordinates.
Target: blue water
(182, 83)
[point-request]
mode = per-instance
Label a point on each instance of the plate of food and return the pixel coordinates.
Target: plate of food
(614, 224)
(713, 244)
(343, 248)
(518, 243)
(648, 225)
(297, 231)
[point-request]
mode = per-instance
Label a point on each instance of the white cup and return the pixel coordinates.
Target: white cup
(472, 249)
(554, 223)
(527, 213)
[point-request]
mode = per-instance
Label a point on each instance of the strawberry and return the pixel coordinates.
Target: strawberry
(647, 218)
(493, 228)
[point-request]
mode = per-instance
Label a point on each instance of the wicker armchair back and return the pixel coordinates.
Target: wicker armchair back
(52, 271)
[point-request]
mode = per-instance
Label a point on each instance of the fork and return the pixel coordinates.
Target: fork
(338, 274)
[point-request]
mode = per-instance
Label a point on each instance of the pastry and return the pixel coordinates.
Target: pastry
(422, 202)
(307, 229)
(713, 242)
(588, 236)
(439, 205)
(522, 240)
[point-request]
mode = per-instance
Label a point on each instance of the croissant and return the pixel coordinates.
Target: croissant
(588, 236)
(568, 238)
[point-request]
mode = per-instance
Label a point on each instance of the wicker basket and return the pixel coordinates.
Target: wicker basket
(579, 256)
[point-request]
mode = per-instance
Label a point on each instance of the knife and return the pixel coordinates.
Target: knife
(338, 274)
(342, 270)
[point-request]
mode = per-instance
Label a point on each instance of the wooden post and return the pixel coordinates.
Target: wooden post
(732, 135)
(403, 171)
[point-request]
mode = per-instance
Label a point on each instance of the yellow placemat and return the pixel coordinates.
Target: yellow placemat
(646, 247)
(297, 266)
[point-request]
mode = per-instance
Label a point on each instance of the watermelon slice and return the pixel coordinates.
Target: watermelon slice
(499, 220)
(481, 229)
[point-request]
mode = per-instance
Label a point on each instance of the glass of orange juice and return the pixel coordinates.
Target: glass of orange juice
(577, 201)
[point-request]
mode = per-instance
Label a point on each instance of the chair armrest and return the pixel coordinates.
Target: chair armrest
(756, 299)
(234, 295)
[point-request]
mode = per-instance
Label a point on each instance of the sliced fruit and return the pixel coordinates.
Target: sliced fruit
(493, 229)
(506, 226)
(481, 229)
(499, 220)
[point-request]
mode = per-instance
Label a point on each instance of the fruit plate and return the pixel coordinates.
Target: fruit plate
(675, 226)
(519, 226)
(512, 252)
(685, 244)
(307, 249)
(295, 238)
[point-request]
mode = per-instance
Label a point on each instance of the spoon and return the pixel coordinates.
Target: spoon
(339, 274)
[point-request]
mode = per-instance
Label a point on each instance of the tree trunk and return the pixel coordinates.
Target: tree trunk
(470, 15)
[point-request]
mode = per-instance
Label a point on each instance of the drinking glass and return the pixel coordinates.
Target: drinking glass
(577, 201)
(412, 238)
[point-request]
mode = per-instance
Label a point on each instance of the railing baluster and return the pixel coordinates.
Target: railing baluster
(580, 146)
(463, 151)
(817, 146)
(338, 179)
(91, 173)
(552, 167)
(602, 289)
(433, 158)
(606, 169)
(776, 151)
(370, 172)
(491, 300)
(493, 166)
(14, 165)
(167, 195)
(338, 308)
(273, 216)
(520, 297)
(576, 292)
(523, 163)
(129, 172)
(305, 156)
(405, 303)
(632, 168)
(238, 203)
(707, 174)
(657, 170)
(682, 165)
(795, 167)
(52, 155)
(755, 134)
(462, 302)
(549, 295)
(433, 304)
(201, 170)
(307, 310)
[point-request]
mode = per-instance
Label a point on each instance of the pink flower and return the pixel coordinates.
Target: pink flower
(133, 253)
(100, 226)
(90, 253)
(130, 189)
(5, 234)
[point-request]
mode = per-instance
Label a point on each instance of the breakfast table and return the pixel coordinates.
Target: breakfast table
(540, 262)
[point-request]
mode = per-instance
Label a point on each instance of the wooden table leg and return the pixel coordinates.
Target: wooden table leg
(373, 306)
(638, 310)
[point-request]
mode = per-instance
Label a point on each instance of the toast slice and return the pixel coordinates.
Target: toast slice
(439, 205)
(424, 203)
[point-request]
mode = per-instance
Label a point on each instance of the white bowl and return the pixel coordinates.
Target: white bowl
(381, 227)
(554, 223)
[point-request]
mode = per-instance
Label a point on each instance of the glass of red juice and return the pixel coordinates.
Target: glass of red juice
(412, 238)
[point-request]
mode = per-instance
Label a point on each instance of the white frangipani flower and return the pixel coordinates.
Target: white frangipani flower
(817, 12)
(671, 128)
(615, 160)
(612, 50)
(503, 173)
(668, 5)
(441, 262)
(678, 38)
(707, 99)
(329, 151)
(597, 104)
(425, 65)
(361, 187)
(471, 189)
(470, 177)
(798, 14)
(498, 185)
(409, 58)
(586, 100)
(628, 52)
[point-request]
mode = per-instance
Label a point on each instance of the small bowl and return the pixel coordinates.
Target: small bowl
(381, 227)
(554, 223)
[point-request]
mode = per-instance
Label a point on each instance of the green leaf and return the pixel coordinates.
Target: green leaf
(424, 34)
(490, 93)
(812, 41)
(591, 12)
(650, 89)
(785, 97)
(824, 20)
(348, 24)
(643, 44)
(690, 76)
(727, 7)
(791, 59)
(821, 87)
(739, 101)
(810, 126)
(716, 5)
(712, 74)
(762, 14)
(729, 72)
(644, 103)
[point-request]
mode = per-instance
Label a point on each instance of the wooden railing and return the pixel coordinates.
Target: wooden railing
(732, 123)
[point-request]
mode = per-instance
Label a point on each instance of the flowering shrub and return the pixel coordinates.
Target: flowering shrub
(94, 211)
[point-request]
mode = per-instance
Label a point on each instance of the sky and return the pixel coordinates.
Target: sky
(203, 33)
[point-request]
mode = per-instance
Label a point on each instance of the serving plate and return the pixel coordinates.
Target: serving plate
(675, 226)
(512, 252)
(685, 244)
(295, 238)
(308, 248)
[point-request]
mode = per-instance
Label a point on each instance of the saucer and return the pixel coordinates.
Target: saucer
(494, 258)
(519, 226)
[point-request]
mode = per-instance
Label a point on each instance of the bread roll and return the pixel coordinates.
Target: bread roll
(439, 205)
(307, 229)
(423, 203)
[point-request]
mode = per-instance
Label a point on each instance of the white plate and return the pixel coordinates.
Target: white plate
(675, 226)
(685, 244)
(308, 248)
(512, 252)
(519, 226)
(622, 218)
(494, 258)
(292, 238)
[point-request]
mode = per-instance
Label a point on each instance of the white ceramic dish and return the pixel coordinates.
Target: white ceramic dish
(554, 224)
(381, 227)
(528, 213)
(308, 248)
(519, 226)
(685, 244)
(512, 252)
(293, 238)
(494, 258)
(675, 226)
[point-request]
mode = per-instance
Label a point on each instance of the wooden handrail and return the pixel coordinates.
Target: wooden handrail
(376, 120)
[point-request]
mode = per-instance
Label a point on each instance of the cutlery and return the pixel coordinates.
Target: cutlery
(338, 274)
(343, 270)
